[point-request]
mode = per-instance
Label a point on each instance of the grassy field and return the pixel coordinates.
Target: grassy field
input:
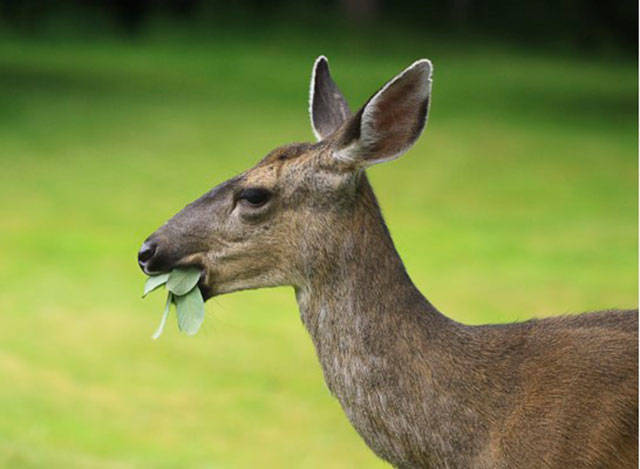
(519, 201)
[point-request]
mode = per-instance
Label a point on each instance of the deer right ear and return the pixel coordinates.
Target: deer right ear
(327, 107)
(390, 122)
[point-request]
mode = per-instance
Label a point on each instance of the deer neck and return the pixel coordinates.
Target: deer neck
(381, 344)
(361, 288)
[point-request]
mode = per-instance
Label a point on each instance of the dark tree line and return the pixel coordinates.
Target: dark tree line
(586, 24)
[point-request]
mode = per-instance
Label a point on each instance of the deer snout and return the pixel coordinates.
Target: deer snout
(153, 258)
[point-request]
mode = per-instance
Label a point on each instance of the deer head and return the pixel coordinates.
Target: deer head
(280, 221)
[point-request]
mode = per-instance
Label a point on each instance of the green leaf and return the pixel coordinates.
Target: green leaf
(154, 282)
(182, 280)
(190, 311)
(165, 315)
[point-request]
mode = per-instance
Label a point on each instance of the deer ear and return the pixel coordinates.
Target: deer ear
(327, 107)
(391, 121)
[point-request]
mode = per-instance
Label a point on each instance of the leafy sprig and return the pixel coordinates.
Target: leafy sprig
(182, 291)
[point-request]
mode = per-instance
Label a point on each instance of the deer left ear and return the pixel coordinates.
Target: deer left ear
(391, 121)
(328, 108)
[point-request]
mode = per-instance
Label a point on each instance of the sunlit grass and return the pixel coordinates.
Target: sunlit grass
(519, 201)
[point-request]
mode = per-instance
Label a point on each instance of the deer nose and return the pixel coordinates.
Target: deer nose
(156, 256)
(146, 252)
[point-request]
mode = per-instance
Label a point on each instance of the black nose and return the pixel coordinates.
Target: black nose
(156, 256)
(146, 252)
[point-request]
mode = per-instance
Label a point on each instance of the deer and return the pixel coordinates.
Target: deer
(421, 389)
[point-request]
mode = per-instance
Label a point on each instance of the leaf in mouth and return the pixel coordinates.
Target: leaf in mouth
(183, 291)
(190, 311)
(165, 315)
(183, 280)
(154, 282)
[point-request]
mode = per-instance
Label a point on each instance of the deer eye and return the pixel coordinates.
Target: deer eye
(255, 196)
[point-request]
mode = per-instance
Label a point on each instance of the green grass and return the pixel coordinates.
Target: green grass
(519, 201)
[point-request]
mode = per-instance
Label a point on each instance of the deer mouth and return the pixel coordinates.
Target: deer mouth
(203, 285)
(205, 290)
(203, 282)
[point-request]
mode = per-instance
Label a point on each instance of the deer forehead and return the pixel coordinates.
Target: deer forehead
(262, 176)
(285, 164)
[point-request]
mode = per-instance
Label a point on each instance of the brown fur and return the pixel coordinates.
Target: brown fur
(422, 390)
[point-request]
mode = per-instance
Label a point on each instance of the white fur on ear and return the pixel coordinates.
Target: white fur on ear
(312, 89)
(393, 119)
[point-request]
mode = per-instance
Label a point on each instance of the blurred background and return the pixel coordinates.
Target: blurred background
(519, 201)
